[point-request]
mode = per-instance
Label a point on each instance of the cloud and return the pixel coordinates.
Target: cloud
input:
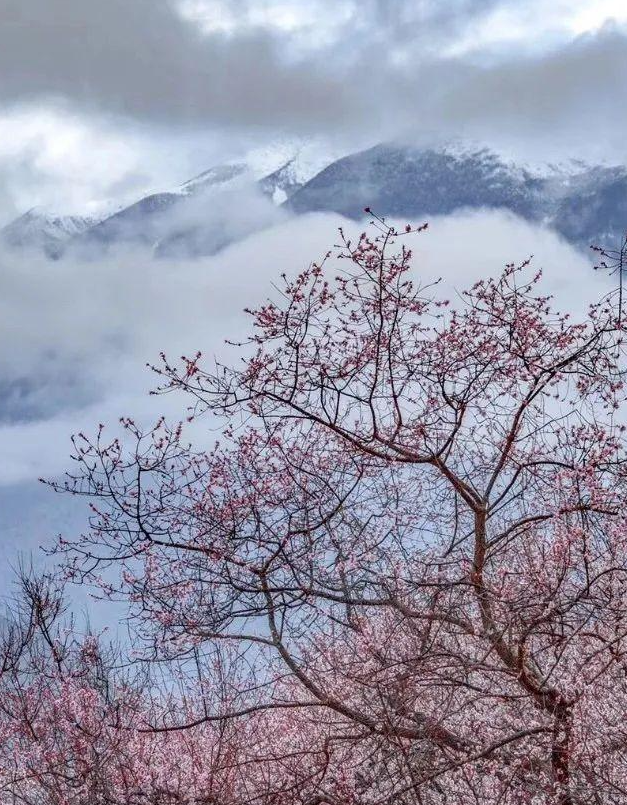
(50, 154)
(193, 225)
(81, 334)
(325, 66)
(82, 337)
(559, 103)
(71, 163)
(143, 59)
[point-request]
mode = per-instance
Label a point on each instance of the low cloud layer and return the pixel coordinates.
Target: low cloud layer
(76, 337)
(82, 333)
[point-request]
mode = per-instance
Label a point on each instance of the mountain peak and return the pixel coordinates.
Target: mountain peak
(584, 203)
(43, 229)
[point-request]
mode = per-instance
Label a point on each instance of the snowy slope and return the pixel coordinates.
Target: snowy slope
(214, 208)
(584, 203)
(44, 230)
(283, 166)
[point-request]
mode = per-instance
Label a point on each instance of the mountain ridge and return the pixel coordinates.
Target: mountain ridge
(583, 203)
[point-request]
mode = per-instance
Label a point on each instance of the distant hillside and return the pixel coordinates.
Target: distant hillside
(585, 204)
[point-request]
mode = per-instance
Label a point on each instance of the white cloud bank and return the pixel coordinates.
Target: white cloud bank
(76, 337)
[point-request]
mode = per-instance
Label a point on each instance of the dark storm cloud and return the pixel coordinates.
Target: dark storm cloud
(141, 58)
(382, 69)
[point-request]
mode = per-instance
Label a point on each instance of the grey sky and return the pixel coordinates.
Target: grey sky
(142, 59)
(149, 91)
(202, 62)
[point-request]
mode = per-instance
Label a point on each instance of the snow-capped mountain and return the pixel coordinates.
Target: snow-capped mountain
(217, 176)
(44, 231)
(585, 204)
(399, 181)
(149, 220)
(593, 210)
(222, 204)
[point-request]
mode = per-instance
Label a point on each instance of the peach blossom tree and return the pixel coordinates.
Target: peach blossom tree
(410, 539)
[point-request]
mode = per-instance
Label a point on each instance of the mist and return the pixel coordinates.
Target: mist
(77, 336)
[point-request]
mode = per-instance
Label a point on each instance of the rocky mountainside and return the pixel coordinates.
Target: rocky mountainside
(152, 219)
(400, 182)
(594, 208)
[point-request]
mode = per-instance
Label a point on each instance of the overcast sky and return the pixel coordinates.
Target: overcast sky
(102, 100)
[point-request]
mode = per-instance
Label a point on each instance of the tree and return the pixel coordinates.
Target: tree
(410, 542)
(75, 730)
